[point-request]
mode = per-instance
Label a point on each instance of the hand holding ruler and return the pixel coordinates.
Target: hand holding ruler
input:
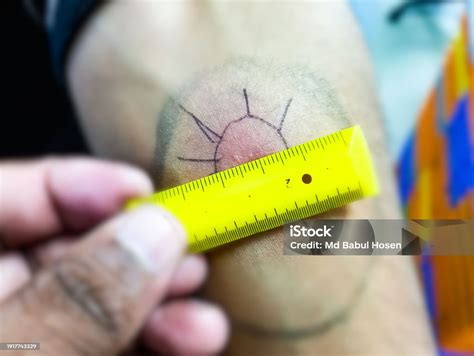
(290, 185)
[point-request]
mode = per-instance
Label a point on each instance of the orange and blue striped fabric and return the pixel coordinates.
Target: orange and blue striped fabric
(436, 181)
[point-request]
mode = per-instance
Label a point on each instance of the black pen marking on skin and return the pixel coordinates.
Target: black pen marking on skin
(214, 137)
(206, 130)
(284, 115)
(246, 101)
(196, 159)
(337, 318)
(310, 88)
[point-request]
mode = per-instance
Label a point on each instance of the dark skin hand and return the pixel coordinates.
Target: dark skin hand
(118, 278)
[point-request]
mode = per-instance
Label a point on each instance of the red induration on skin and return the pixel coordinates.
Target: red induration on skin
(245, 140)
(242, 140)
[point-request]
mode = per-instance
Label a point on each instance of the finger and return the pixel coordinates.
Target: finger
(53, 250)
(189, 275)
(50, 196)
(16, 268)
(14, 274)
(186, 328)
(97, 297)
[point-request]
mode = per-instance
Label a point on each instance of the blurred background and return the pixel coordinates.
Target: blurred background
(38, 117)
(422, 51)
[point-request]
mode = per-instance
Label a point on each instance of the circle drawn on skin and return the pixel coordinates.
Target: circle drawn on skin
(249, 122)
(316, 111)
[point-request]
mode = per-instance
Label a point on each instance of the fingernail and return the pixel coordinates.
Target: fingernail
(136, 179)
(153, 236)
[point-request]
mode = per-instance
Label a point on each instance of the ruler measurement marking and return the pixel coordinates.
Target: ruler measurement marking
(323, 143)
(290, 216)
(342, 138)
(302, 153)
(221, 178)
(282, 159)
(291, 163)
(277, 158)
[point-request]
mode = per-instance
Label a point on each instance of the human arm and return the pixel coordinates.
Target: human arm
(159, 83)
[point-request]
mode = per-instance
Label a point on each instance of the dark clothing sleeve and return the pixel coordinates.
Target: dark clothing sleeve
(64, 20)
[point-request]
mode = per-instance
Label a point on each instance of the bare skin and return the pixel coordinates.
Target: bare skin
(200, 87)
(119, 274)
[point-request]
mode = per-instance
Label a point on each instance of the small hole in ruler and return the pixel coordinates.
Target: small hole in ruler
(306, 178)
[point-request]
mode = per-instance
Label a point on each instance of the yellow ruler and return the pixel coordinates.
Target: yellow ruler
(271, 191)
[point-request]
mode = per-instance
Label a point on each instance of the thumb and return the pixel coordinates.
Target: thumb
(96, 298)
